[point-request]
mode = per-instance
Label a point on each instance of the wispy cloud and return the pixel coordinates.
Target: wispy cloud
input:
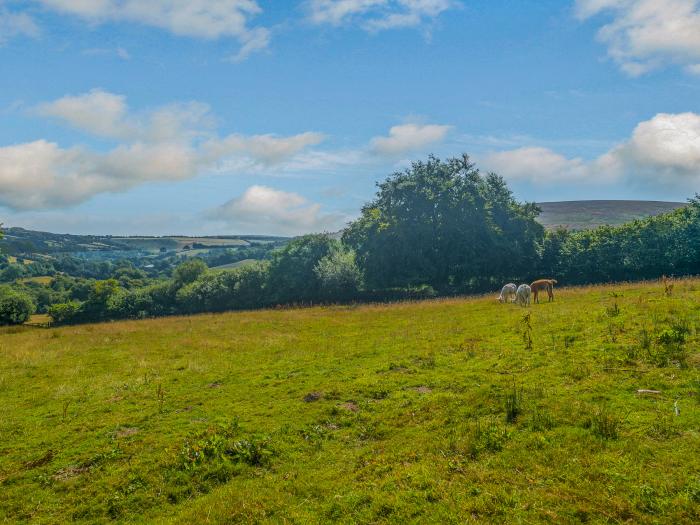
(376, 15)
(207, 19)
(14, 24)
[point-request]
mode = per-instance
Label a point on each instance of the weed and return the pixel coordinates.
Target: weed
(613, 311)
(513, 403)
(160, 396)
(569, 340)
(668, 285)
(541, 420)
(605, 424)
(315, 434)
(491, 438)
(527, 331)
(221, 445)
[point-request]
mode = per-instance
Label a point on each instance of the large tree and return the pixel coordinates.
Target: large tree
(445, 224)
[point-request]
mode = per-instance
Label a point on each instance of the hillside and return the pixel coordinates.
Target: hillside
(21, 241)
(434, 411)
(580, 215)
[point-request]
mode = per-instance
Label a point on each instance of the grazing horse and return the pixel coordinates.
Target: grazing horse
(546, 285)
(522, 295)
(508, 293)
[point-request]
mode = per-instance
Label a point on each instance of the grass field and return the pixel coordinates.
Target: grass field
(445, 411)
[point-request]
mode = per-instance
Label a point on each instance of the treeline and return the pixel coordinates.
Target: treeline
(437, 228)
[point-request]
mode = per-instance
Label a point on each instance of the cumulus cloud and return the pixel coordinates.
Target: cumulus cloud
(172, 143)
(209, 19)
(646, 34)
(265, 210)
(376, 15)
(15, 24)
(408, 137)
(662, 151)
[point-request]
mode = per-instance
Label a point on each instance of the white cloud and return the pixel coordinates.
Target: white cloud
(265, 210)
(662, 151)
(375, 15)
(408, 137)
(209, 19)
(646, 34)
(172, 143)
(15, 24)
(265, 149)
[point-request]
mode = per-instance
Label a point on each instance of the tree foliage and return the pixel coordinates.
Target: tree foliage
(443, 223)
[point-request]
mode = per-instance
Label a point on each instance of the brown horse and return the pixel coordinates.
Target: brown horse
(544, 285)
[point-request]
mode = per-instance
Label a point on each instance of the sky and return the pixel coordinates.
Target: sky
(208, 117)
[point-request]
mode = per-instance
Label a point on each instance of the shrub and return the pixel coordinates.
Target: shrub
(65, 313)
(189, 271)
(15, 308)
(339, 275)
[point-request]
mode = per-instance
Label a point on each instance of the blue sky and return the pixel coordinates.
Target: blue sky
(254, 116)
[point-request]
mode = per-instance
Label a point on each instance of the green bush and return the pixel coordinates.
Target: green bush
(15, 308)
(339, 275)
(65, 313)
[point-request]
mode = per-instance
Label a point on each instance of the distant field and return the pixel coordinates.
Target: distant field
(45, 280)
(238, 264)
(444, 411)
(178, 243)
(579, 215)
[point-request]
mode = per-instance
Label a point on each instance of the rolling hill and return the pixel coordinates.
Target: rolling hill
(584, 410)
(580, 215)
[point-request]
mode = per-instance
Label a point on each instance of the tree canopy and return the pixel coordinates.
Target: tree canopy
(445, 224)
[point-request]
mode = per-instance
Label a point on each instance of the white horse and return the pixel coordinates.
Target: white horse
(522, 295)
(508, 293)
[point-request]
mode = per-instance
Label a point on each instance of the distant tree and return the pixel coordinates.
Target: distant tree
(444, 224)
(12, 272)
(15, 307)
(339, 275)
(292, 268)
(188, 272)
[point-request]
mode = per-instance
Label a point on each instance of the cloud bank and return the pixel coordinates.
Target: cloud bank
(264, 210)
(171, 143)
(662, 151)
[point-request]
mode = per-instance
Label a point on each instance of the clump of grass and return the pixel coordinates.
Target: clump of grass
(513, 403)
(668, 285)
(160, 396)
(541, 420)
(663, 427)
(527, 331)
(605, 424)
(613, 311)
(489, 438)
(569, 340)
(671, 343)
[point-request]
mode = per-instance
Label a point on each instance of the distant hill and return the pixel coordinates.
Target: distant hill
(21, 241)
(581, 215)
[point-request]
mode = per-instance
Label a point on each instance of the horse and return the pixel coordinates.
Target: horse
(543, 285)
(508, 293)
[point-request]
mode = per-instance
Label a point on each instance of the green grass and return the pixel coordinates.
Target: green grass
(430, 412)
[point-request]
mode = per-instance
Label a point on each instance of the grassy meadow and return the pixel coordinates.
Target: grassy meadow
(445, 411)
